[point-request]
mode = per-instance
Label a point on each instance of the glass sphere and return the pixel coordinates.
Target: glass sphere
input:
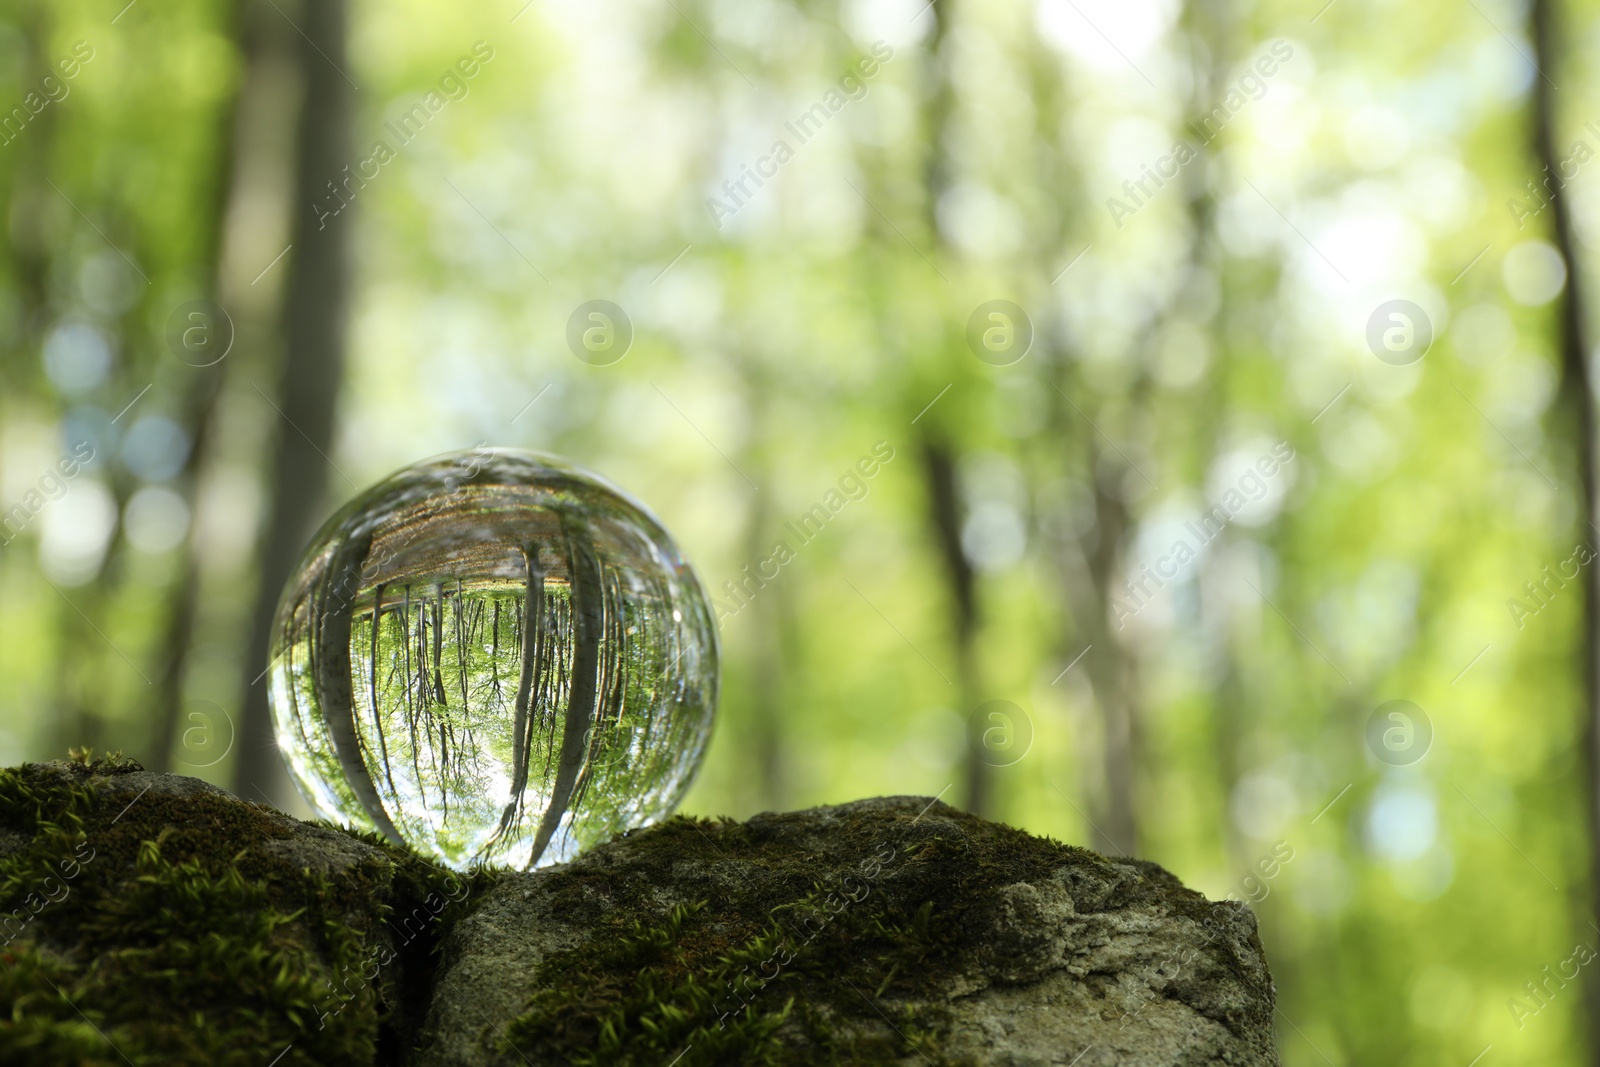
(494, 656)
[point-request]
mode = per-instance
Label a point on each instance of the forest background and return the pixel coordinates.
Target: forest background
(1232, 357)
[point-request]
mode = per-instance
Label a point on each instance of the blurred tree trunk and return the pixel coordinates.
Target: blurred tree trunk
(1089, 562)
(85, 652)
(1576, 399)
(1085, 556)
(940, 456)
(314, 316)
(1211, 36)
(1088, 565)
(31, 243)
(766, 669)
(769, 616)
(200, 388)
(1213, 42)
(39, 245)
(1089, 592)
(944, 505)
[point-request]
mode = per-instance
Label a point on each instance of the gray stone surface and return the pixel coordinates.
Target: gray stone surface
(1056, 955)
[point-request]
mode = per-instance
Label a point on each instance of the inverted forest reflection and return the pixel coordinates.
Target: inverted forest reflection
(499, 664)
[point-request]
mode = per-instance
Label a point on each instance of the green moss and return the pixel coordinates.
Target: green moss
(163, 930)
(681, 988)
(807, 941)
(791, 969)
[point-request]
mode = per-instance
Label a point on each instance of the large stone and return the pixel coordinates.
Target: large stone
(894, 930)
(156, 918)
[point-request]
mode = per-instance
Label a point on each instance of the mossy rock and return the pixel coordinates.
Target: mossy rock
(888, 931)
(155, 919)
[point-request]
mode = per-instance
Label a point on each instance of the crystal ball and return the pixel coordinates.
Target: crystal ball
(494, 656)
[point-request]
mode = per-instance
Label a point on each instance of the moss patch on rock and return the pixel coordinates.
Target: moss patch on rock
(154, 919)
(862, 934)
(764, 977)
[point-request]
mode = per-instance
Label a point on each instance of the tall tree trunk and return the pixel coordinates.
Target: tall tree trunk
(201, 388)
(78, 670)
(767, 619)
(939, 470)
(1089, 577)
(31, 245)
(1086, 560)
(1088, 566)
(1576, 395)
(1086, 557)
(1210, 28)
(766, 663)
(312, 368)
(940, 456)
